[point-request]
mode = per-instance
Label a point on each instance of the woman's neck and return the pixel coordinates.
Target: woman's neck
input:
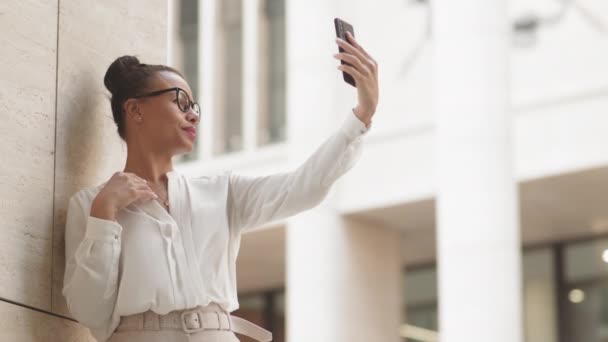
(152, 172)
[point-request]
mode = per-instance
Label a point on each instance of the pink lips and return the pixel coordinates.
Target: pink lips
(191, 132)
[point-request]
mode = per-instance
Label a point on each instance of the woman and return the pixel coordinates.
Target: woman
(150, 253)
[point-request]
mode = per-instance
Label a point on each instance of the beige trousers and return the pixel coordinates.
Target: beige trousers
(149, 335)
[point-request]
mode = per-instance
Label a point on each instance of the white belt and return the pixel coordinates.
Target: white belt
(192, 321)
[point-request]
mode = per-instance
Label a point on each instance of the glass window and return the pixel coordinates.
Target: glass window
(228, 117)
(421, 298)
(266, 309)
(184, 53)
(539, 295)
(278, 333)
(228, 122)
(585, 293)
(271, 72)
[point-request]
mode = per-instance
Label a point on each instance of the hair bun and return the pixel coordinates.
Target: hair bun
(117, 71)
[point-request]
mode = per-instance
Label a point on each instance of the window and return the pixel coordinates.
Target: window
(228, 115)
(271, 73)
(584, 295)
(266, 309)
(421, 298)
(539, 297)
(218, 28)
(184, 51)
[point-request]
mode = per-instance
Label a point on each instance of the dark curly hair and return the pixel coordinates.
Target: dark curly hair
(127, 77)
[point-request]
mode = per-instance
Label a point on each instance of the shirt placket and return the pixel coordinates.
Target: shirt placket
(172, 261)
(182, 266)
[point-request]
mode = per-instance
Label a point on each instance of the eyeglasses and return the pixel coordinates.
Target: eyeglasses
(183, 100)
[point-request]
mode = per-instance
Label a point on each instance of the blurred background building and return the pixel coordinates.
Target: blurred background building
(363, 266)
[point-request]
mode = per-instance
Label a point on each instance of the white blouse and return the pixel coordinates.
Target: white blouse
(149, 259)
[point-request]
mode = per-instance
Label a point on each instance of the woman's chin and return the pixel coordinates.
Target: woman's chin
(188, 147)
(188, 144)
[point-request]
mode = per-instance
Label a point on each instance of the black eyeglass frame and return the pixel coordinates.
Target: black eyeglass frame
(191, 104)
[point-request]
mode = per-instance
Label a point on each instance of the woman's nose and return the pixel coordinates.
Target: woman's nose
(193, 117)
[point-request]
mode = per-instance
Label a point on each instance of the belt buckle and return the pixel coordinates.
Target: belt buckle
(183, 320)
(219, 321)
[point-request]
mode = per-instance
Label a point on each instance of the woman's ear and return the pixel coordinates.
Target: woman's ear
(132, 109)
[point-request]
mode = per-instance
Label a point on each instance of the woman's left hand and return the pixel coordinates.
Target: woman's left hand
(364, 70)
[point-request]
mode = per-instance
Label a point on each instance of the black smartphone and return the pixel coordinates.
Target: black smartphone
(341, 28)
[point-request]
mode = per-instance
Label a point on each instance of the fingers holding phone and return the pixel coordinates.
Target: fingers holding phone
(342, 27)
(360, 70)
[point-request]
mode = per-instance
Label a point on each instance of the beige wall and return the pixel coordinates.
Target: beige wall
(58, 136)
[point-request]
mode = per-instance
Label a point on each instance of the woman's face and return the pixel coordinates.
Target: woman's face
(163, 124)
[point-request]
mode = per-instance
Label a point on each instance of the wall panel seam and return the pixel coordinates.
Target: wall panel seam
(36, 309)
(53, 223)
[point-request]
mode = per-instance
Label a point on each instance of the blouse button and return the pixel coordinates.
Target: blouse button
(115, 237)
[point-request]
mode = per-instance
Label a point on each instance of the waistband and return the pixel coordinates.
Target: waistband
(190, 321)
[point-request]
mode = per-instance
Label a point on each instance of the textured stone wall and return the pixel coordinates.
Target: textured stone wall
(58, 136)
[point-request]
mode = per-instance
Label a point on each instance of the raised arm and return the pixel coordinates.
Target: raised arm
(253, 201)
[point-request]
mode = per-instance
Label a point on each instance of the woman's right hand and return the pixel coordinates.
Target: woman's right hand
(122, 189)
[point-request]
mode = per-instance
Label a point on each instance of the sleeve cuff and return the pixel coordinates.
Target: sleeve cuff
(103, 230)
(353, 127)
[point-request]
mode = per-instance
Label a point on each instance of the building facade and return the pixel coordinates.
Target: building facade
(554, 101)
(372, 262)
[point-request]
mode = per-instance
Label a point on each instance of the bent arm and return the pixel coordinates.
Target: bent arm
(92, 251)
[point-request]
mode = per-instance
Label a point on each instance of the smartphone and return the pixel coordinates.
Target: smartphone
(341, 28)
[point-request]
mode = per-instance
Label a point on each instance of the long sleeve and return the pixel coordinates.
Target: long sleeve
(92, 251)
(257, 200)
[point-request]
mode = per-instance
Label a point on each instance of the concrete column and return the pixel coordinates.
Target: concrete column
(343, 280)
(478, 230)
